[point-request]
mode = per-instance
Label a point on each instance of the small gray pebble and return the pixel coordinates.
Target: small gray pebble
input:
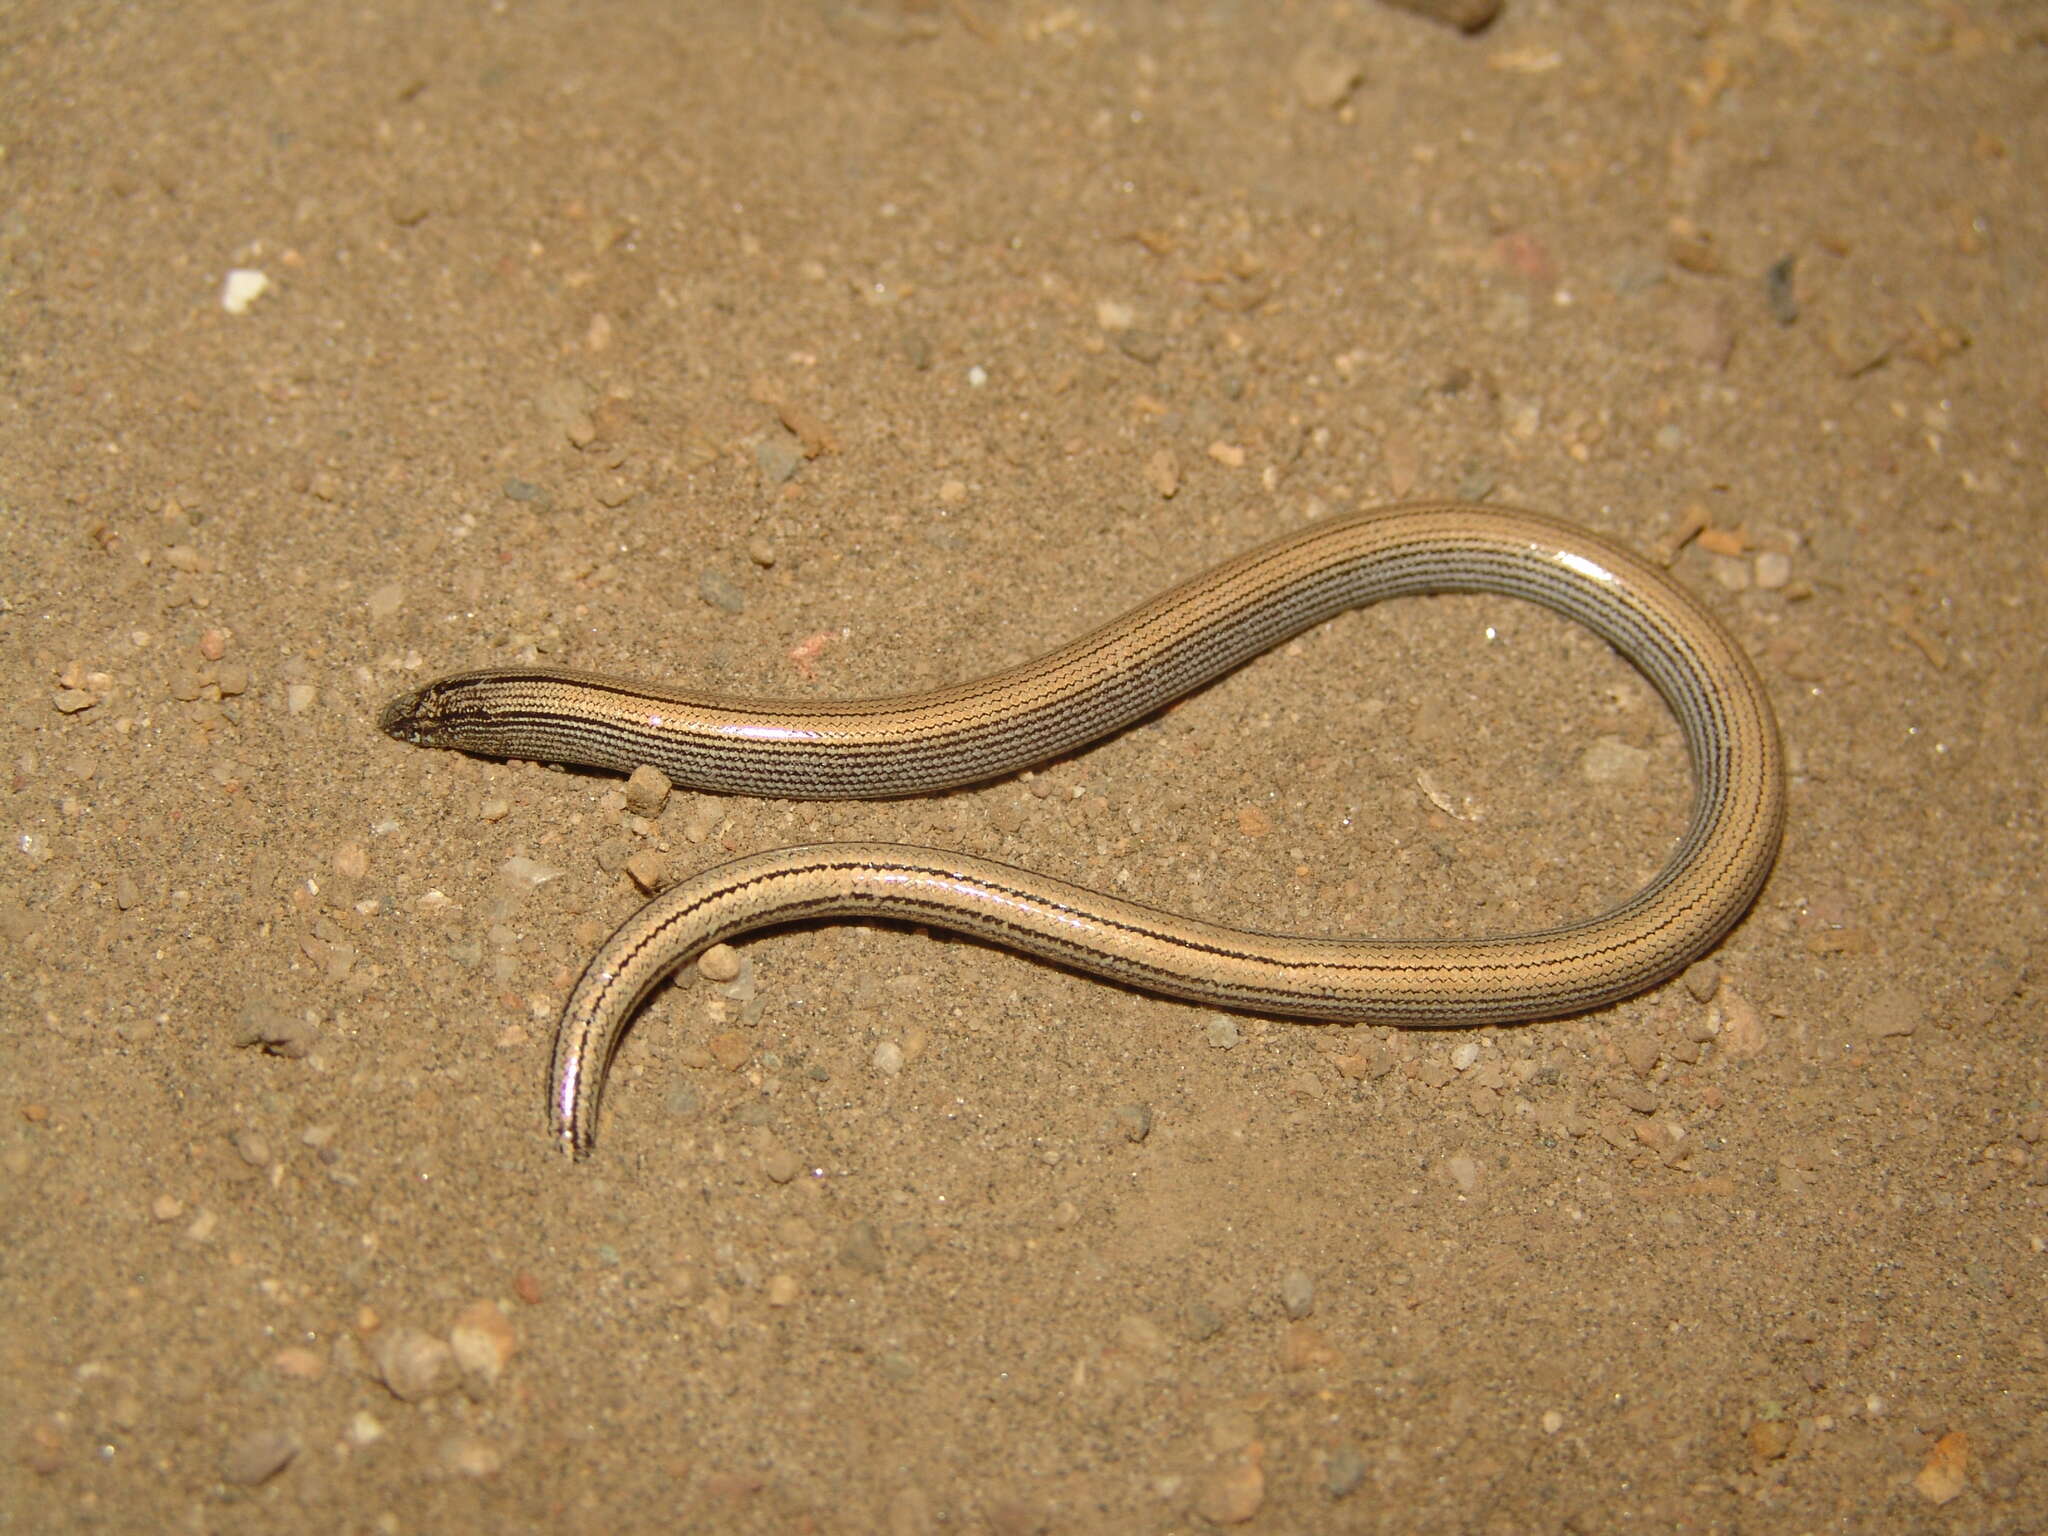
(1298, 1293)
(1204, 1321)
(717, 589)
(862, 1248)
(1344, 1471)
(1135, 1121)
(1222, 1031)
(1779, 291)
(778, 458)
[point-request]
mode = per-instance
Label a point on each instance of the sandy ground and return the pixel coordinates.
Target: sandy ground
(832, 349)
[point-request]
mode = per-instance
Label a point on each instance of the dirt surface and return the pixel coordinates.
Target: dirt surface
(847, 349)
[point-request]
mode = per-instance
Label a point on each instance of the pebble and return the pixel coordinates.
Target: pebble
(1465, 15)
(1463, 1057)
(471, 1456)
(264, 1024)
(42, 1448)
(523, 874)
(71, 701)
(721, 962)
(166, 1208)
(1702, 979)
(781, 1165)
(1304, 1348)
(363, 1428)
(1135, 1121)
(258, 1456)
(1894, 1012)
(1770, 1439)
(1141, 346)
(1323, 77)
(1464, 1172)
(299, 1363)
(386, 600)
(495, 808)
(778, 459)
(1945, 1473)
(761, 552)
(1773, 570)
(483, 1341)
(251, 1147)
(861, 1249)
(242, 287)
(1297, 1293)
(888, 1058)
(1016, 1517)
(782, 1290)
(213, 645)
(1231, 1494)
(1632, 1095)
(1221, 1032)
(299, 697)
(648, 869)
(1204, 1321)
(1343, 1472)
(1139, 1335)
(647, 791)
(730, 1049)
(717, 589)
(706, 812)
(1741, 1031)
(1642, 1053)
(414, 1365)
(1162, 473)
(1702, 329)
(1610, 760)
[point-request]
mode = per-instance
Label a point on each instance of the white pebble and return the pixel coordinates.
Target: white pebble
(888, 1058)
(244, 286)
(520, 873)
(1463, 1057)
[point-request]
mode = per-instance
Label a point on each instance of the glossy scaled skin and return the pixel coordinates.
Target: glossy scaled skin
(1097, 684)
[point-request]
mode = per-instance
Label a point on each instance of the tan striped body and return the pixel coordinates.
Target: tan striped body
(1095, 685)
